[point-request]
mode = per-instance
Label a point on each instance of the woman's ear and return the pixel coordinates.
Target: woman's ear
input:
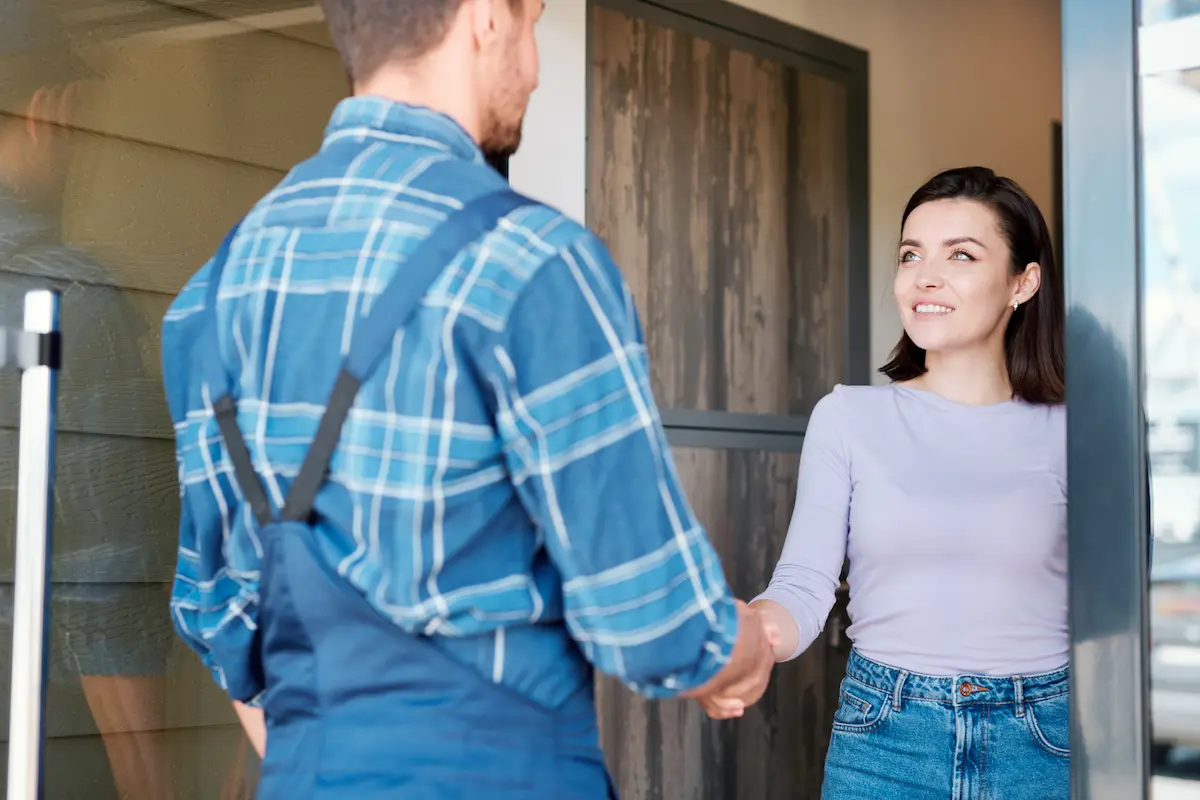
(1027, 283)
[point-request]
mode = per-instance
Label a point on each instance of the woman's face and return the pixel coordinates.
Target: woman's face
(954, 284)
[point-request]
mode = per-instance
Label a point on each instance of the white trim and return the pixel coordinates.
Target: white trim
(551, 165)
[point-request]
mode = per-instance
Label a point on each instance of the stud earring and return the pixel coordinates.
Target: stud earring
(1015, 304)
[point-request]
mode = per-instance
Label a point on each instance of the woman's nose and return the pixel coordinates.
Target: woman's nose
(929, 278)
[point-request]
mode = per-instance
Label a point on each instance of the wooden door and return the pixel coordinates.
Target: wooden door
(719, 176)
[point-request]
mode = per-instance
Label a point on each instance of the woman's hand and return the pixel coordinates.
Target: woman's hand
(729, 698)
(788, 632)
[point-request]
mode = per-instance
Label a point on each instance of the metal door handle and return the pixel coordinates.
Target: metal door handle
(36, 352)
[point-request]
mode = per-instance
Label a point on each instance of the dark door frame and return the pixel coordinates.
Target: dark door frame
(1106, 465)
(732, 25)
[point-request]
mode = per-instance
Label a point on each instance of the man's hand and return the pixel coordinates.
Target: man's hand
(745, 678)
(255, 726)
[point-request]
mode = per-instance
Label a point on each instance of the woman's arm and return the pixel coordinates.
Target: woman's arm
(803, 588)
(254, 725)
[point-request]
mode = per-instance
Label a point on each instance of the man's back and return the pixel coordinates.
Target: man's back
(474, 492)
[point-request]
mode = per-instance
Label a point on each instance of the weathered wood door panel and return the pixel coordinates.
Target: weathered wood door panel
(777, 750)
(719, 178)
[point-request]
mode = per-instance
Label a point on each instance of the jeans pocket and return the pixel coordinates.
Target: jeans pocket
(1049, 722)
(861, 708)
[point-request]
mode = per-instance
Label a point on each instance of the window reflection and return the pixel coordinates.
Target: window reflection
(1171, 203)
(1155, 11)
(132, 135)
(1171, 320)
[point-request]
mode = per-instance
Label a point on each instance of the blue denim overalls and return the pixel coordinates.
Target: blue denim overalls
(356, 708)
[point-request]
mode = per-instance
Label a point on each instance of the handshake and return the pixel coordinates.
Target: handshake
(744, 679)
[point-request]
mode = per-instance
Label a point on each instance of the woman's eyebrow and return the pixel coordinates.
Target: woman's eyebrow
(947, 243)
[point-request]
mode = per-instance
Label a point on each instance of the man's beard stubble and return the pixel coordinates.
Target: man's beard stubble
(505, 118)
(500, 142)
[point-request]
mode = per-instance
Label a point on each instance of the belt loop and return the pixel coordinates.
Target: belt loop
(898, 689)
(1019, 696)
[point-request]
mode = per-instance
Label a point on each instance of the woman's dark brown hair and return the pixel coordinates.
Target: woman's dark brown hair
(1033, 342)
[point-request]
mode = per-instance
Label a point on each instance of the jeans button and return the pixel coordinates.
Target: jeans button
(965, 690)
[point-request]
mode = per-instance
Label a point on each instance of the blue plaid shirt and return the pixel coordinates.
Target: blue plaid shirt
(506, 486)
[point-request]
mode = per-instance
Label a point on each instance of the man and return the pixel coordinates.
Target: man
(500, 513)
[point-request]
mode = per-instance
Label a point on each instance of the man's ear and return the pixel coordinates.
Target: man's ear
(37, 111)
(482, 15)
(48, 105)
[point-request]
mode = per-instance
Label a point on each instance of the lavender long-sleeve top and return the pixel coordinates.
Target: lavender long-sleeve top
(955, 521)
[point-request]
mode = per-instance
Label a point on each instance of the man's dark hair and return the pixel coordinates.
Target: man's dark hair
(370, 33)
(1033, 342)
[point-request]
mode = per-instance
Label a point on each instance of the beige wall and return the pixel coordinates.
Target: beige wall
(951, 82)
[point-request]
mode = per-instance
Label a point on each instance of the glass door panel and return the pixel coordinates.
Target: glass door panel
(1170, 166)
(132, 135)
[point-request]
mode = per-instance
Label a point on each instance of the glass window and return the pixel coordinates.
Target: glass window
(1170, 99)
(1155, 11)
(132, 135)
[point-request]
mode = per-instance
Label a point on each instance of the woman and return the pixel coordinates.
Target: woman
(947, 490)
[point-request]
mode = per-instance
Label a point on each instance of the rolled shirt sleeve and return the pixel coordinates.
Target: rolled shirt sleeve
(644, 592)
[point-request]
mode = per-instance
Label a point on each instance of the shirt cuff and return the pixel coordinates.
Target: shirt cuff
(256, 701)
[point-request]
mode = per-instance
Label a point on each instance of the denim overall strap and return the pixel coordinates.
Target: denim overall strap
(389, 313)
(216, 377)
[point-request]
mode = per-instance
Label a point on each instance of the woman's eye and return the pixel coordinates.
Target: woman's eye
(961, 255)
(907, 256)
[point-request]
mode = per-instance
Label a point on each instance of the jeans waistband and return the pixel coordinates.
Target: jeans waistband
(957, 689)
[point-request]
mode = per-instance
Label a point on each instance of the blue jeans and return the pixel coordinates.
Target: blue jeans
(902, 735)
